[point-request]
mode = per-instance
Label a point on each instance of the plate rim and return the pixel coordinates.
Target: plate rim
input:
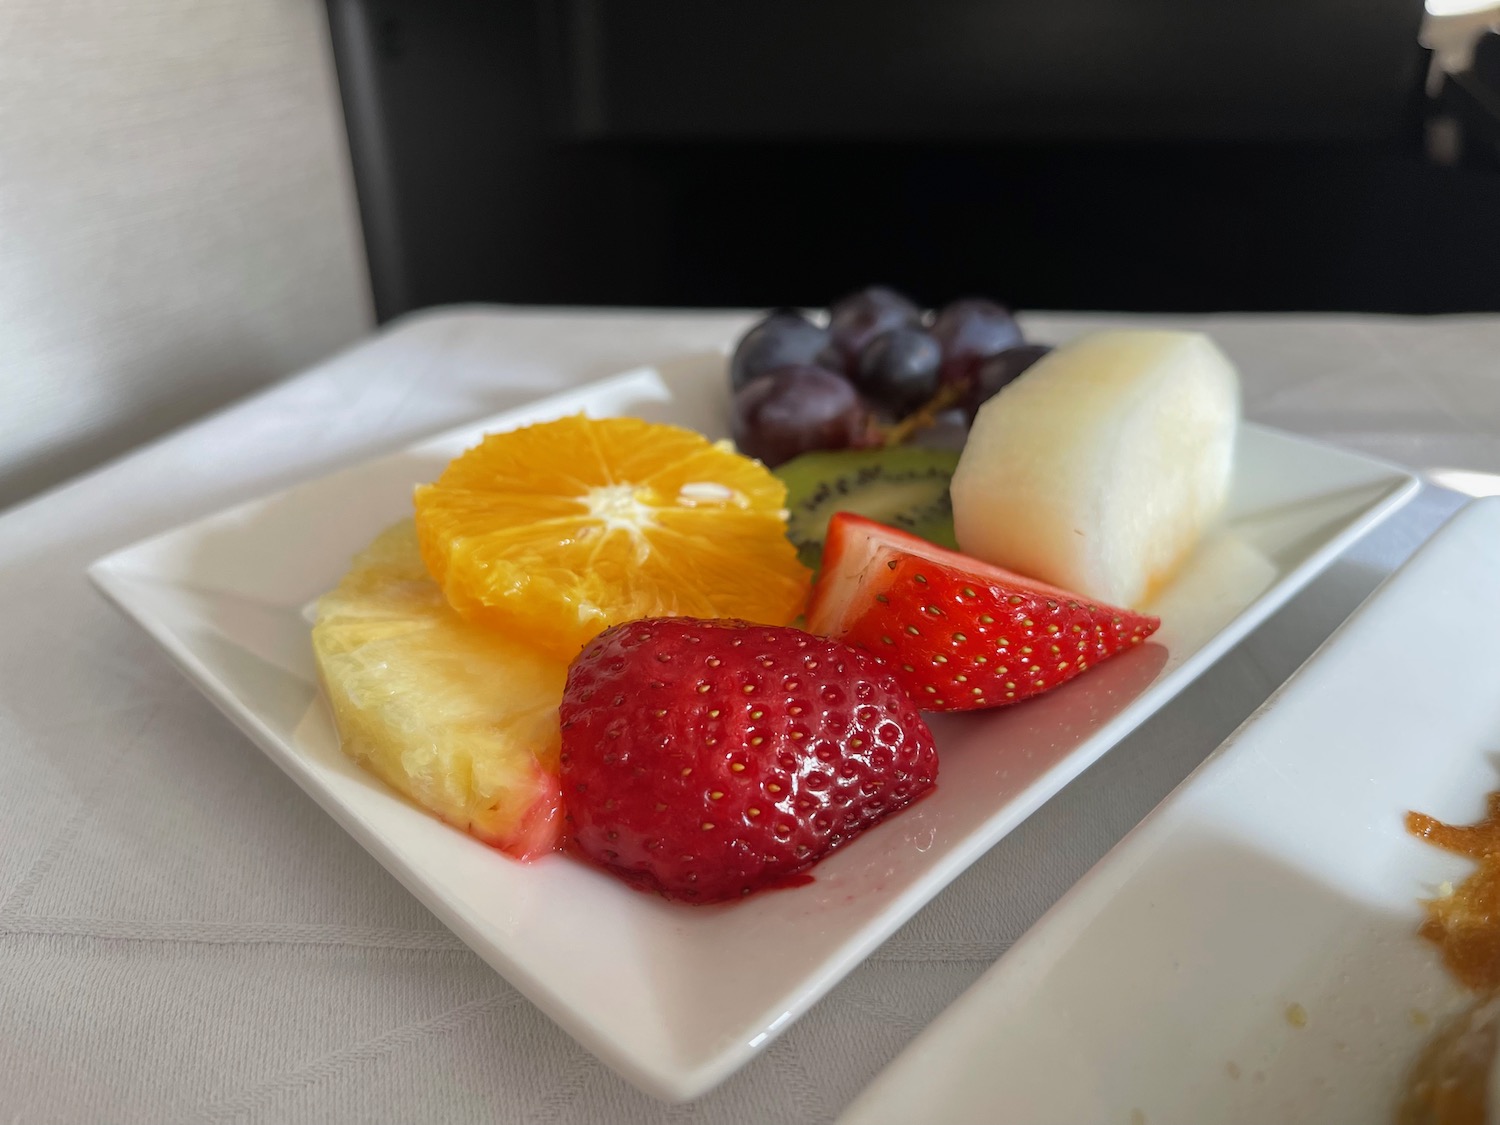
(111, 575)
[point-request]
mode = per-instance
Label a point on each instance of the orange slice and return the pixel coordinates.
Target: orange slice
(556, 531)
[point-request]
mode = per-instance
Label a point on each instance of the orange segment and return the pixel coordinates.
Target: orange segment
(556, 531)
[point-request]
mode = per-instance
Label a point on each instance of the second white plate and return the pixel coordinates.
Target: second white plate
(1249, 953)
(674, 997)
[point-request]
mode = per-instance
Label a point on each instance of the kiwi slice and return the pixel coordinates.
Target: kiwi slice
(904, 486)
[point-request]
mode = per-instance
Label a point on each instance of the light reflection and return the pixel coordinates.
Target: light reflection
(1467, 481)
(1458, 7)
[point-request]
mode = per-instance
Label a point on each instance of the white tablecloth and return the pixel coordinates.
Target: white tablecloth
(185, 936)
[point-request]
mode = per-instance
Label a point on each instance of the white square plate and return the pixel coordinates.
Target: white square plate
(1249, 952)
(675, 997)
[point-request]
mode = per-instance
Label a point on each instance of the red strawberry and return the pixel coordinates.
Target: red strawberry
(959, 633)
(704, 759)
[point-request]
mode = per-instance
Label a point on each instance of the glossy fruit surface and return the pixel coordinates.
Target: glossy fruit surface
(973, 326)
(958, 633)
(797, 410)
(461, 720)
(783, 338)
(708, 759)
(855, 320)
(899, 369)
(556, 531)
(901, 486)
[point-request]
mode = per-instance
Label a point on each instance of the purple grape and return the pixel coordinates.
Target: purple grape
(994, 373)
(899, 369)
(782, 338)
(973, 327)
(796, 410)
(858, 318)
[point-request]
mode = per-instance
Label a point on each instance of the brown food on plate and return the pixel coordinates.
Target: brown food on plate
(1449, 1083)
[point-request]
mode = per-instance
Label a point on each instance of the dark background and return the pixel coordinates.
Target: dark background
(1100, 154)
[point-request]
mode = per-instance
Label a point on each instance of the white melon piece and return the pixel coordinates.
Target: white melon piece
(1099, 469)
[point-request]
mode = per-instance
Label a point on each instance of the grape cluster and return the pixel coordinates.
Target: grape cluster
(800, 385)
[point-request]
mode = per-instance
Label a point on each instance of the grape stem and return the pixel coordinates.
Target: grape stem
(949, 394)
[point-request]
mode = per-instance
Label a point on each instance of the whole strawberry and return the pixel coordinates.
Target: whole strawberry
(705, 759)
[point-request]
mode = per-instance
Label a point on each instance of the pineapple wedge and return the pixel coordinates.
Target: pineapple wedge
(459, 718)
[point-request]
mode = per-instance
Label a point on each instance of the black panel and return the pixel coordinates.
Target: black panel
(983, 70)
(483, 175)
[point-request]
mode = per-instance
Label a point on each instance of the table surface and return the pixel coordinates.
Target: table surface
(184, 936)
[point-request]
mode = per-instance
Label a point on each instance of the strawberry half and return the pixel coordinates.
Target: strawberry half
(959, 634)
(706, 759)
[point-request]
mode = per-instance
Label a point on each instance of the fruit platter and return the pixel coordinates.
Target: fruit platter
(675, 695)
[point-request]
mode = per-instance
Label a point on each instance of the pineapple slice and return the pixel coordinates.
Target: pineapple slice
(457, 717)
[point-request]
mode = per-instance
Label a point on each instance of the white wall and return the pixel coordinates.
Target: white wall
(177, 221)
